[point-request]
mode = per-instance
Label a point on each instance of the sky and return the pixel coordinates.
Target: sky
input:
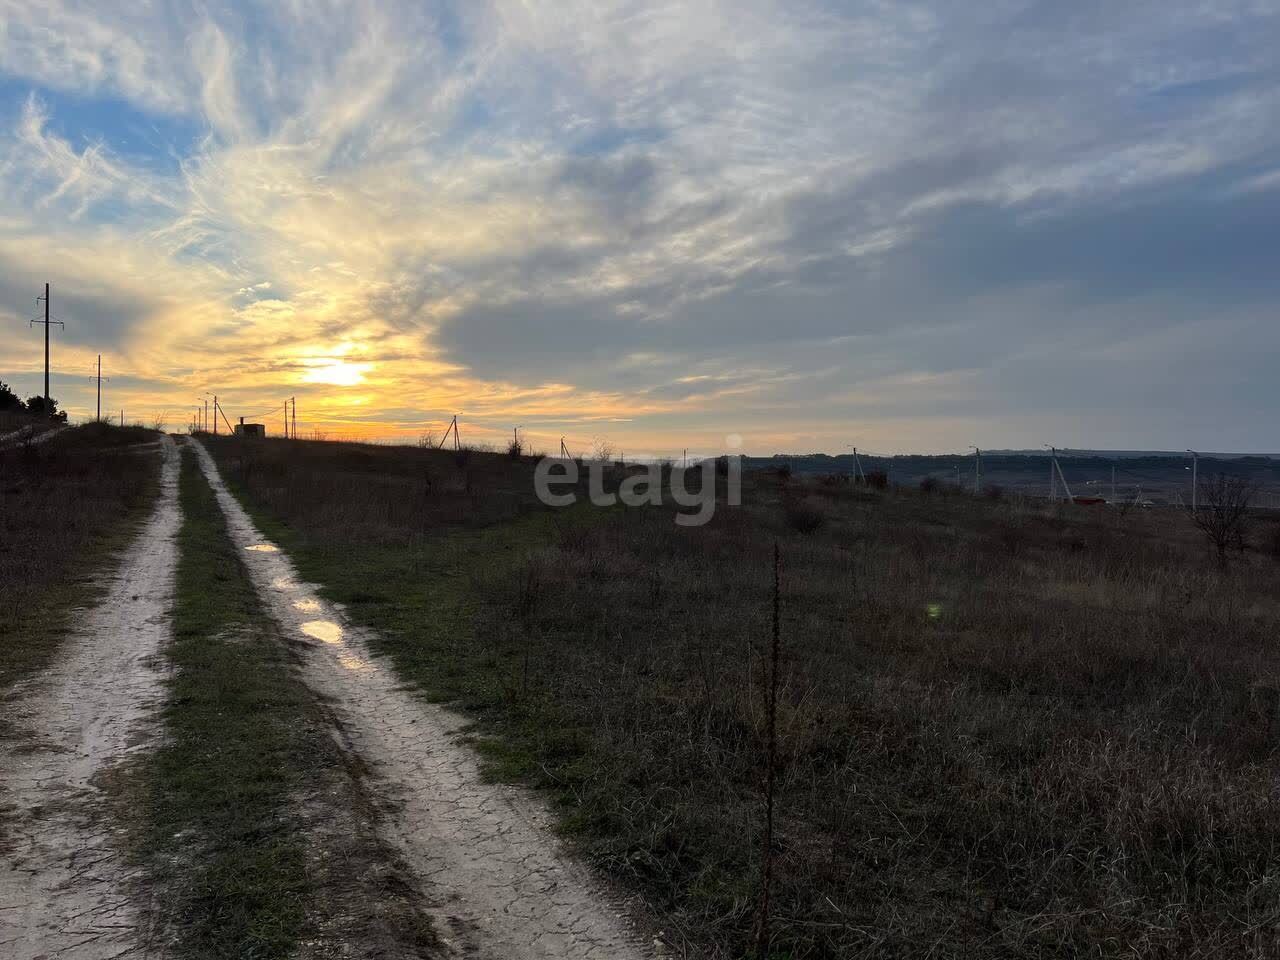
(748, 225)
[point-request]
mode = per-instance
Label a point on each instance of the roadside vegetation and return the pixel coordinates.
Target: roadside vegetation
(1004, 729)
(66, 506)
(248, 818)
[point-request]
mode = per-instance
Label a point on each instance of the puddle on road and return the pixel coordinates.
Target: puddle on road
(263, 548)
(306, 606)
(326, 631)
(283, 583)
(355, 664)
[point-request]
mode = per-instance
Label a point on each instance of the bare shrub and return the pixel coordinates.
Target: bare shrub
(1223, 506)
(804, 516)
(601, 449)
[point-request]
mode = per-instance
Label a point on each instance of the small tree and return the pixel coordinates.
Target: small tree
(36, 406)
(1221, 509)
(8, 399)
(601, 449)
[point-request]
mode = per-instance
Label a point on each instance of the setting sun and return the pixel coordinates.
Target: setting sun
(338, 373)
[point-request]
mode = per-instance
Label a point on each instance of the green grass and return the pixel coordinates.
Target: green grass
(233, 827)
(67, 508)
(218, 819)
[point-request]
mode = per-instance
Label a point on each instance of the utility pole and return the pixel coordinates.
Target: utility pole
(215, 414)
(1195, 477)
(1053, 480)
(452, 428)
(48, 322)
(97, 416)
(856, 472)
(294, 432)
(977, 471)
(286, 419)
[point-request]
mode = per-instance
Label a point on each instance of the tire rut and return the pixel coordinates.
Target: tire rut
(495, 879)
(66, 890)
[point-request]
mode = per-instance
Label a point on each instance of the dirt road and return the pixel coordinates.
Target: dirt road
(65, 890)
(498, 885)
(29, 434)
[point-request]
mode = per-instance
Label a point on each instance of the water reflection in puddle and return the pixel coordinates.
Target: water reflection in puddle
(263, 548)
(326, 631)
(307, 606)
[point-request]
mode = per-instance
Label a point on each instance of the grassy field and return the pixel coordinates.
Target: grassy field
(65, 507)
(248, 820)
(1003, 730)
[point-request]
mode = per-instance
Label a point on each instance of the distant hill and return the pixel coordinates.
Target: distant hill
(1160, 476)
(1130, 454)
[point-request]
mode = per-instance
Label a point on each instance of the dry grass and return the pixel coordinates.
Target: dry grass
(65, 505)
(387, 495)
(1002, 731)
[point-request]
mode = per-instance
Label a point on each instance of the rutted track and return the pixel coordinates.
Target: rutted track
(496, 881)
(29, 435)
(65, 890)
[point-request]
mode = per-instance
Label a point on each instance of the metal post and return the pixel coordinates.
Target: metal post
(1195, 477)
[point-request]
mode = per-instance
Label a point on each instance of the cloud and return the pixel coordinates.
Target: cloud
(666, 216)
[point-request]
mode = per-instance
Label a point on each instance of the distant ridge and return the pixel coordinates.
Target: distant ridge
(1129, 454)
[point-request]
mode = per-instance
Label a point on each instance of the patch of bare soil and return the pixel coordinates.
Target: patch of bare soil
(66, 890)
(497, 882)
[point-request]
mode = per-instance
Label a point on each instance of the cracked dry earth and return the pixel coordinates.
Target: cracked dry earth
(494, 878)
(66, 891)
